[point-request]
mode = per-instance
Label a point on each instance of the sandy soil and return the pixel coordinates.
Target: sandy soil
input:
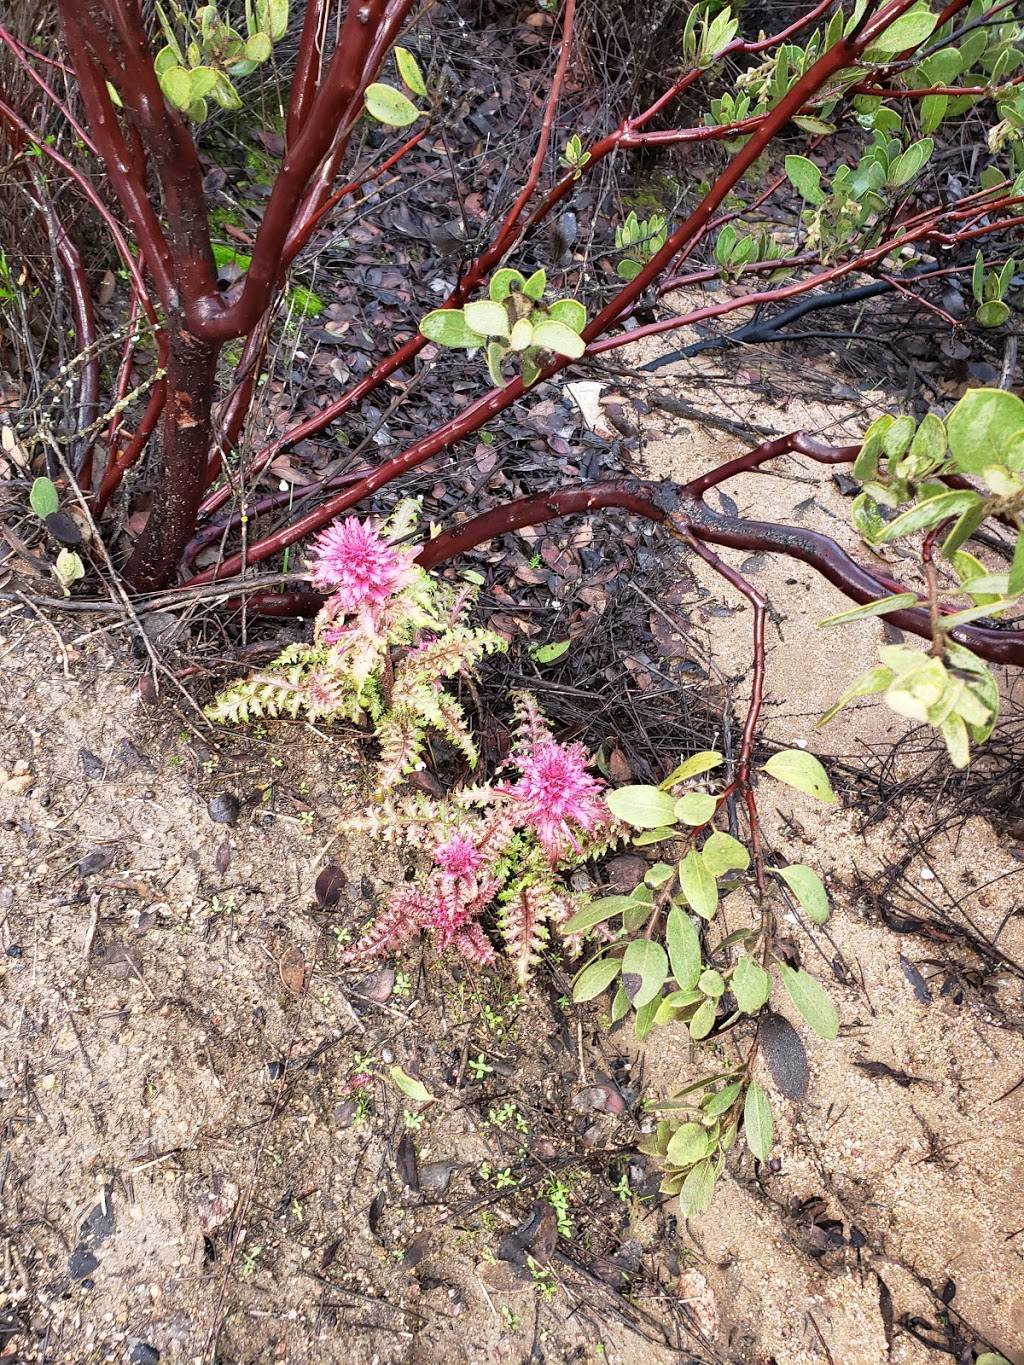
(932, 1171)
(203, 1158)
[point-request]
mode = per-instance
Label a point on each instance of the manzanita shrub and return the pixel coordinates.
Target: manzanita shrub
(862, 98)
(384, 643)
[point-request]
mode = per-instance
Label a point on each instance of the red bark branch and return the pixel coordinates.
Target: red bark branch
(691, 517)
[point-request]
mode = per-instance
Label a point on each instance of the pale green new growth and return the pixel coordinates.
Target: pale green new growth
(512, 321)
(905, 468)
(204, 55)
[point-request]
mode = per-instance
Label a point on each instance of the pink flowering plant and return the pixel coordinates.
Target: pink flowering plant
(384, 644)
(503, 849)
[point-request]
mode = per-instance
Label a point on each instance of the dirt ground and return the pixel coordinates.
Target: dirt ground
(204, 1157)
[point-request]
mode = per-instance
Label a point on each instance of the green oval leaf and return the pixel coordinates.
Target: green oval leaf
(547, 654)
(805, 177)
(204, 81)
(692, 766)
(409, 70)
(983, 424)
(698, 885)
(521, 335)
(911, 162)
(896, 602)
(448, 327)
(277, 17)
(390, 106)
(695, 808)
(698, 1190)
(808, 888)
(642, 807)
(750, 984)
(43, 498)
(801, 770)
(718, 1103)
(711, 983)
(688, 1145)
(502, 283)
(595, 978)
(487, 317)
(993, 313)
(683, 943)
(924, 515)
(620, 1005)
(258, 48)
(644, 969)
(811, 999)
(595, 913)
(225, 93)
(555, 336)
(757, 1122)
(646, 1016)
(722, 853)
(536, 284)
(163, 61)
(703, 1020)
(68, 569)
(875, 680)
(908, 31)
(176, 84)
(570, 312)
(410, 1086)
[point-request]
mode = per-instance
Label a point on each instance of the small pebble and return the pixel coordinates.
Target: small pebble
(81, 1263)
(92, 764)
(94, 861)
(223, 808)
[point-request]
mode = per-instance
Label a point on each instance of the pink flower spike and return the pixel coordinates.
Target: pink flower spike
(459, 857)
(558, 793)
(359, 567)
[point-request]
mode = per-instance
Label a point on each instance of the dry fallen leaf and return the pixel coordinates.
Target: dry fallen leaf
(292, 971)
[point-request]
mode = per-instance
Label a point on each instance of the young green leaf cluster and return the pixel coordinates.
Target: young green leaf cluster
(383, 646)
(708, 29)
(857, 204)
(735, 249)
(974, 51)
(203, 53)
(574, 158)
(905, 468)
(640, 240)
(693, 1149)
(502, 848)
(643, 961)
(512, 321)
(990, 288)
(667, 975)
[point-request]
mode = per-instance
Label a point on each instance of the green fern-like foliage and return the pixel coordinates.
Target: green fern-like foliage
(384, 645)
